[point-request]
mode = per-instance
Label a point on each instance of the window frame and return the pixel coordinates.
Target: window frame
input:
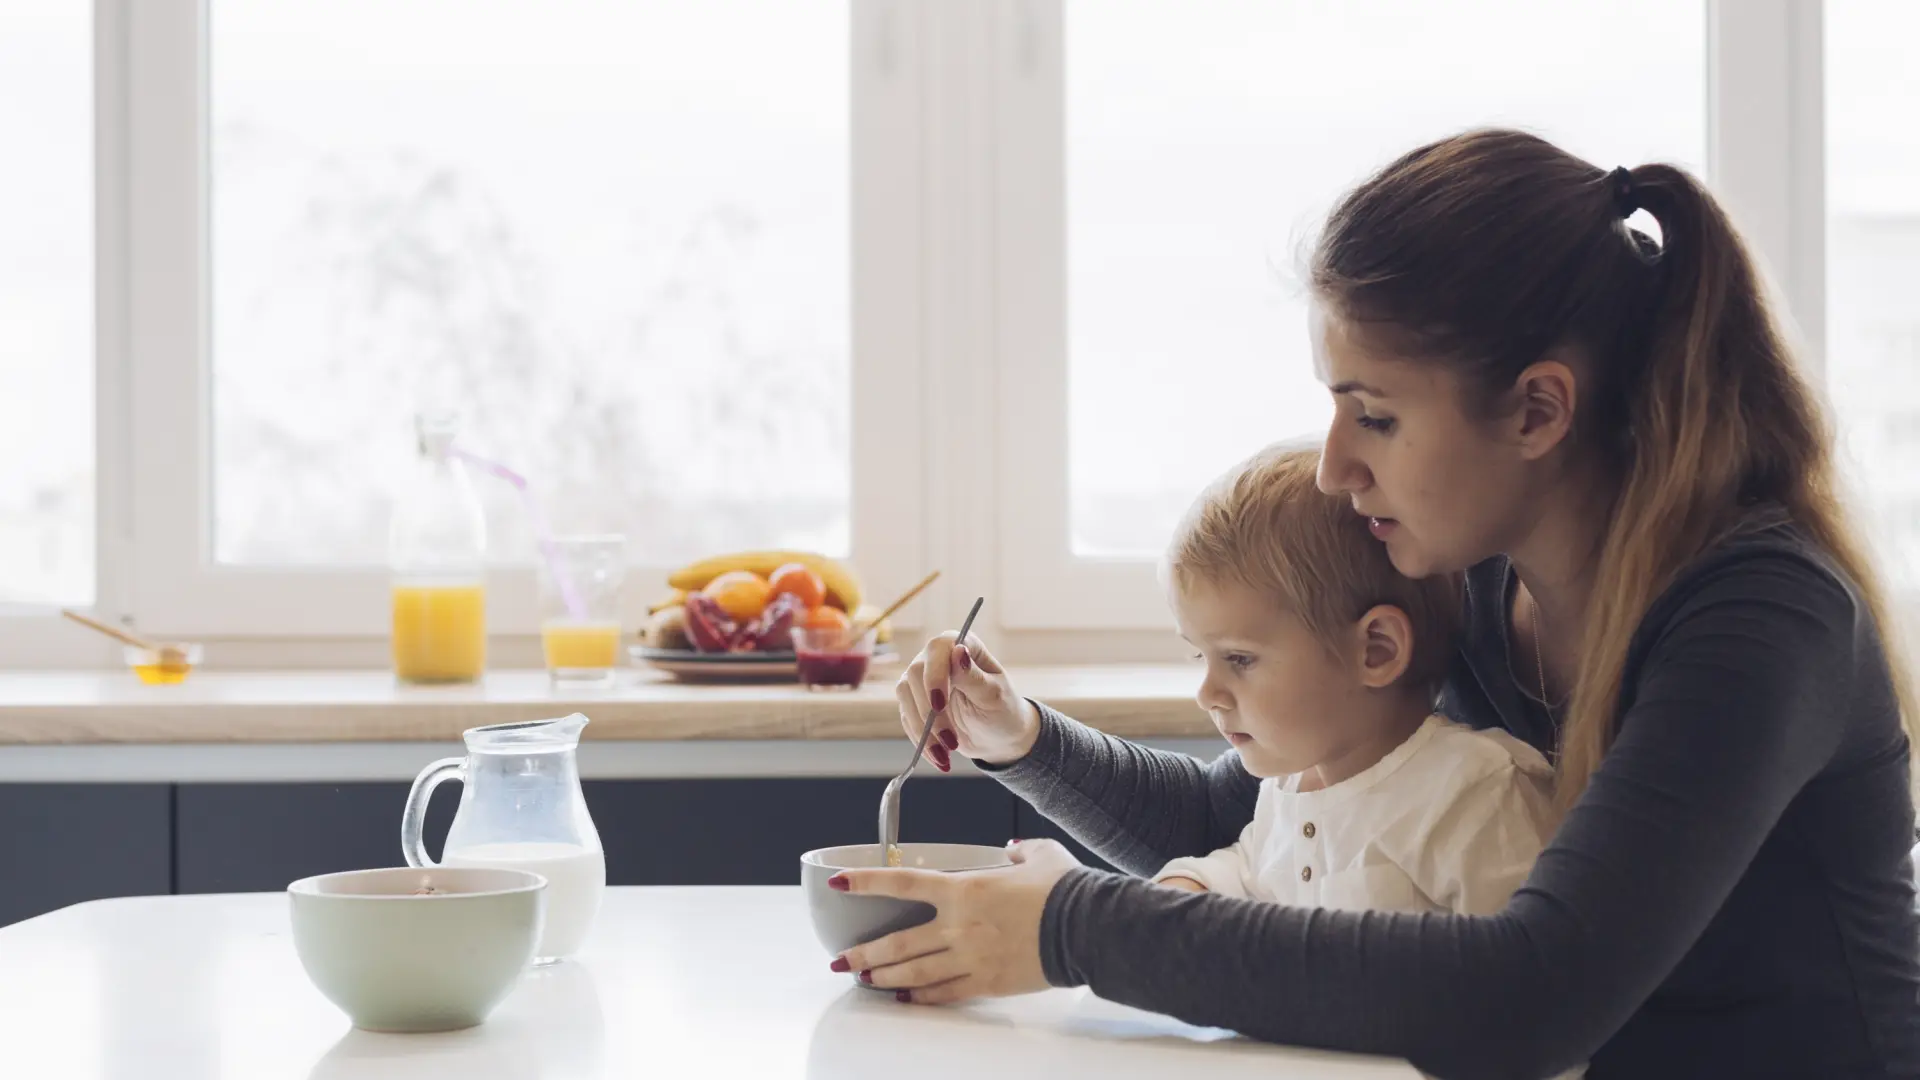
(959, 365)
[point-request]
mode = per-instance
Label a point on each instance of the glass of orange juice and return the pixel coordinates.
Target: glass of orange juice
(580, 582)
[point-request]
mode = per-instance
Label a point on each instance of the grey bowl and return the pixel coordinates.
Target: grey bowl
(842, 921)
(427, 949)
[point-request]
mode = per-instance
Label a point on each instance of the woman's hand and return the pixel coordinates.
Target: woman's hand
(980, 713)
(984, 940)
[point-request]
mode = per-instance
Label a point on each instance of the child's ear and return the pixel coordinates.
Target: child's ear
(1386, 646)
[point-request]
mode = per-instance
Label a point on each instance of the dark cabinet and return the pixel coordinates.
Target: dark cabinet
(259, 837)
(62, 844)
(752, 832)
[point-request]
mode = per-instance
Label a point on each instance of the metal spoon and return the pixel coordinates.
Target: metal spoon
(890, 800)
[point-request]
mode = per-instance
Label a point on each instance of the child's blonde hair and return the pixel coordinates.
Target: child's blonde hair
(1267, 525)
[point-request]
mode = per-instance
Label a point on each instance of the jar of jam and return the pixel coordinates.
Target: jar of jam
(831, 657)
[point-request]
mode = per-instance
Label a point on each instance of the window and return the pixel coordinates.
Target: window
(1206, 141)
(987, 287)
(614, 237)
(1873, 262)
(46, 304)
(1196, 147)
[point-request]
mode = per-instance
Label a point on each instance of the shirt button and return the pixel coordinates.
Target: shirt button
(1307, 830)
(1306, 873)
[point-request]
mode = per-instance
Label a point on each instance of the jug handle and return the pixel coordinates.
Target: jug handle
(413, 822)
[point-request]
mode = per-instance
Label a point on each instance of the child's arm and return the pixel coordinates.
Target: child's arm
(1231, 870)
(1224, 872)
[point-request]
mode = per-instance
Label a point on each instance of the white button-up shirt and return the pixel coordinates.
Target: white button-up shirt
(1451, 820)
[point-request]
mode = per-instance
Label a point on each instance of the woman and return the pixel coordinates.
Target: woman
(1609, 436)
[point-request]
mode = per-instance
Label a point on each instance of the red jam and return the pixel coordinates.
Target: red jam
(831, 669)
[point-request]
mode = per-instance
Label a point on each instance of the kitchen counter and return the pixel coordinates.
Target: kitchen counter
(361, 725)
(1140, 701)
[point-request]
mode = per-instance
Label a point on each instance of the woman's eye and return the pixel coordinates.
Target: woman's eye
(1380, 424)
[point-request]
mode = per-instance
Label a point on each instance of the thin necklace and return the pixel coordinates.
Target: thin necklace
(1539, 652)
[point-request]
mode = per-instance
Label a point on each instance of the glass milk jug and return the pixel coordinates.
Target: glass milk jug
(437, 546)
(521, 807)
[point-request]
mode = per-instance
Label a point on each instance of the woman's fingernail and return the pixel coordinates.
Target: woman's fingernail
(939, 697)
(1013, 841)
(964, 658)
(951, 740)
(839, 883)
(941, 761)
(867, 977)
(904, 997)
(840, 964)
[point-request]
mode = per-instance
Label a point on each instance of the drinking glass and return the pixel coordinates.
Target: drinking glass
(580, 582)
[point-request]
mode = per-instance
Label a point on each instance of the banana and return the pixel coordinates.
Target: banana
(667, 629)
(674, 598)
(843, 586)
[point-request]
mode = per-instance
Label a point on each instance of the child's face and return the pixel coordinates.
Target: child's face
(1277, 693)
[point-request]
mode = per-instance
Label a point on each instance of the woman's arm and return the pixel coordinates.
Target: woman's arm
(1138, 808)
(1741, 701)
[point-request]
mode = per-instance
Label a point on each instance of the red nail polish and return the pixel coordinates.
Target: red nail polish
(940, 759)
(964, 658)
(939, 699)
(840, 965)
(1013, 841)
(904, 997)
(839, 883)
(951, 740)
(867, 977)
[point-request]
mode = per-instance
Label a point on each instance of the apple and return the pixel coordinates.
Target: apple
(709, 627)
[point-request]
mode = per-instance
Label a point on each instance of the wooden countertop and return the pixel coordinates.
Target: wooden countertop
(70, 708)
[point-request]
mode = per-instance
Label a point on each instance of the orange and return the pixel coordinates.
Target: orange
(801, 581)
(827, 618)
(742, 594)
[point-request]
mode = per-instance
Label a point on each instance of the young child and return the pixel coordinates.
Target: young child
(1322, 668)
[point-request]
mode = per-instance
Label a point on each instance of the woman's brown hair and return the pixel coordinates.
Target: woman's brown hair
(1485, 250)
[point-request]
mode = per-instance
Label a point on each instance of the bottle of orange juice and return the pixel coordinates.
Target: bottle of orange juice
(438, 551)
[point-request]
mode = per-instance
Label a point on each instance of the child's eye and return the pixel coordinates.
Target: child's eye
(1240, 661)
(1380, 424)
(1199, 656)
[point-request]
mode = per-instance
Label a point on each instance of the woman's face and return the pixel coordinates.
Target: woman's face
(1445, 490)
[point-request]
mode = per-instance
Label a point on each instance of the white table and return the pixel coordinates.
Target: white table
(691, 982)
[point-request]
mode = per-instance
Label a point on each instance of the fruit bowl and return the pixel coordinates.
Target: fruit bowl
(735, 617)
(688, 665)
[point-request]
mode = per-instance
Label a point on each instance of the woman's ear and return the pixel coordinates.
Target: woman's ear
(1386, 646)
(1548, 393)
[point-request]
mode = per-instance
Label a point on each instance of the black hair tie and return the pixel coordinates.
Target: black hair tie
(1626, 198)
